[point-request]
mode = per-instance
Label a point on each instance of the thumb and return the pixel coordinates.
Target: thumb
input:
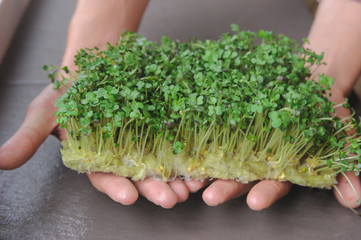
(38, 124)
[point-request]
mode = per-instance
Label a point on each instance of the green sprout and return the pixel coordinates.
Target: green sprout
(230, 109)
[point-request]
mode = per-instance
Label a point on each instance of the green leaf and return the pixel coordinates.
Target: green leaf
(177, 147)
(127, 111)
(212, 100)
(200, 100)
(140, 85)
(276, 120)
(235, 27)
(257, 108)
(265, 34)
(134, 115)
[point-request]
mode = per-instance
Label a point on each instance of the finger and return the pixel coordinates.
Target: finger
(266, 192)
(350, 190)
(223, 190)
(157, 192)
(195, 185)
(59, 133)
(38, 124)
(179, 187)
(118, 188)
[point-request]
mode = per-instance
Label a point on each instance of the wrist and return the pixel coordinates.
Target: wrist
(96, 23)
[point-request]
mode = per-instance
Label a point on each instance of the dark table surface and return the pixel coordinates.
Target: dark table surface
(44, 200)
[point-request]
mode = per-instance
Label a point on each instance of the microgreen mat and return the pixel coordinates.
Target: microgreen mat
(243, 107)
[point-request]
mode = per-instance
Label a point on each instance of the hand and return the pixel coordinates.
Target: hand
(161, 193)
(348, 189)
(261, 195)
(40, 122)
(336, 31)
(166, 195)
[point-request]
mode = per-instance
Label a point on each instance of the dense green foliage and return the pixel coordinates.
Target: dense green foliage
(245, 95)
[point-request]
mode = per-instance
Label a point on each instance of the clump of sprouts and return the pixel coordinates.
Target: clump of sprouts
(230, 109)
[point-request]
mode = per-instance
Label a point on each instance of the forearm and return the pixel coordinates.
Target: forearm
(337, 32)
(96, 23)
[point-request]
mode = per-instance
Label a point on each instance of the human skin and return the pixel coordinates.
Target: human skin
(336, 31)
(87, 29)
